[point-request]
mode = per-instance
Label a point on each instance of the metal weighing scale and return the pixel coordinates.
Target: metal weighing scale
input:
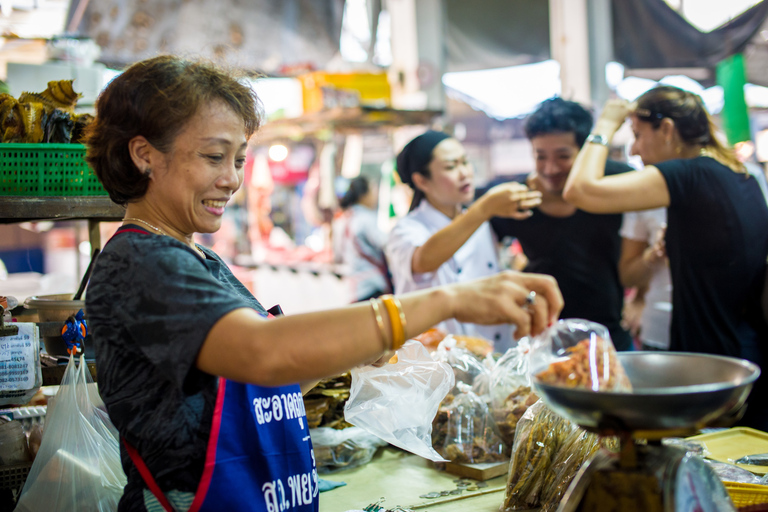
(674, 395)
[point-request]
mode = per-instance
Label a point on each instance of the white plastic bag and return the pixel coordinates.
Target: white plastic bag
(397, 402)
(78, 464)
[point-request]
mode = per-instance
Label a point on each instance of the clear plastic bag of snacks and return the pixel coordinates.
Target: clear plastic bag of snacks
(578, 353)
(463, 430)
(540, 434)
(510, 390)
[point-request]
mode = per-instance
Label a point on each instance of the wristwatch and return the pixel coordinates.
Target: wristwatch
(596, 138)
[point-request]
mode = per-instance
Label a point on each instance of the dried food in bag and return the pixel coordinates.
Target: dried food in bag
(463, 430)
(540, 433)
(578, 353)
(510, 390)
(578, 448)
(343, 449)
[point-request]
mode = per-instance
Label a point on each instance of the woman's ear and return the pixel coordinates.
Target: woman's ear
(668, 128)
(141, 153)
(419, 181)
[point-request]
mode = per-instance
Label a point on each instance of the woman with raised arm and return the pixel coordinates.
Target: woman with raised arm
(717, 222)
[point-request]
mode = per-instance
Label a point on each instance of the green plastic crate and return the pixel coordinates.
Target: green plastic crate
(46, 170)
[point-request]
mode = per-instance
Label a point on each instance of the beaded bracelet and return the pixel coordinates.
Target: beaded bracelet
(379, 321)
(396, 320)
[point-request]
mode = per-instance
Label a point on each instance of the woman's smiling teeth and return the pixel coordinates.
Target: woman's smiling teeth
(214, 207)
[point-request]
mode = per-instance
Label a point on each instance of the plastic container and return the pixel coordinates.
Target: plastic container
(46, 170)
(744, 495)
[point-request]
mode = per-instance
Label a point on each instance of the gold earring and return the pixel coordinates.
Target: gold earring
(678, 150)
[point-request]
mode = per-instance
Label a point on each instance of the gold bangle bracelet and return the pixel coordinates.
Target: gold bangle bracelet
(396, 320)
(379, 321)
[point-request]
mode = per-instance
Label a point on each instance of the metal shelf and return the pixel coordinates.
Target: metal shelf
(21, 209)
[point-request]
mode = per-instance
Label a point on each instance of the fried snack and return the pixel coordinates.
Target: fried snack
(430, 338)
(33, 117)
(536, 444)
(11, 119)
(508, 415)
(47, 116)
(59, 94)
(334, 392)
(589, 364)
(478, 346)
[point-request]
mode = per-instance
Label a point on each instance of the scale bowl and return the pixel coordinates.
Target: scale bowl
(671, 391)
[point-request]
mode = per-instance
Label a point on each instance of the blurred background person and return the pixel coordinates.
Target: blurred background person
(643, 268)
(579, 249)
(358, 241)
(717, 222)
(440, 241)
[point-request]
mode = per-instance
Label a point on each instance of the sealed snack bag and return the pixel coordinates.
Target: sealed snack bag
(540, 434)
(463, 429)
(510, 391)
(578, 353)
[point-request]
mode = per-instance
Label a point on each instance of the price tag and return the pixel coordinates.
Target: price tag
(19, 359)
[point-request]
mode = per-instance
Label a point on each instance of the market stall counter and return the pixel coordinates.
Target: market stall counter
(399, 481)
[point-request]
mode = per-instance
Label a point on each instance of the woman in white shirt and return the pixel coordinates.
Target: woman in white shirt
(440, 241)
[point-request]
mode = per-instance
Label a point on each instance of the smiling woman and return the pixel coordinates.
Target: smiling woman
(187, 360)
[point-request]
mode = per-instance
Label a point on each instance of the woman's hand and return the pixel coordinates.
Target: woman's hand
(656, 253)
(511, 199)
(501, 298)
(612, 117)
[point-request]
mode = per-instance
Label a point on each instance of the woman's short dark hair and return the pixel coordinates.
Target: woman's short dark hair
(557, 115)
(156, 98)
(358, 187)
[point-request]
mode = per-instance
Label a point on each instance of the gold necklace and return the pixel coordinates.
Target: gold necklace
(197, 250)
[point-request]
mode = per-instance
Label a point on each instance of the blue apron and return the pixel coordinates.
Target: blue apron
(259, 455)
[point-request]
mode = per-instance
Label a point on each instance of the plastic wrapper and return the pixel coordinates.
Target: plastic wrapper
(397, 402)
(696, 448)
(463, 430)
(78, 464)
(540, 433)
(467, 367)
(578, 448)
(731, 473)
(510, 391)
(343, 449)
(577, 353)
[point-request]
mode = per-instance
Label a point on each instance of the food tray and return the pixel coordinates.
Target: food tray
(46, 170)
(734, 443)
(744, 495)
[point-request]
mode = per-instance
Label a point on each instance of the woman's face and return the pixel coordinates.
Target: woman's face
(451, 180)
(650, 144)
(201, 172)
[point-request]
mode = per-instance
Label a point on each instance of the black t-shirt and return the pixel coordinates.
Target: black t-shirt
(582, 252)
(717, 243)
(151, 303)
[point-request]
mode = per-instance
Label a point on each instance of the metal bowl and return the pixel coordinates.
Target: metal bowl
(671, 391)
